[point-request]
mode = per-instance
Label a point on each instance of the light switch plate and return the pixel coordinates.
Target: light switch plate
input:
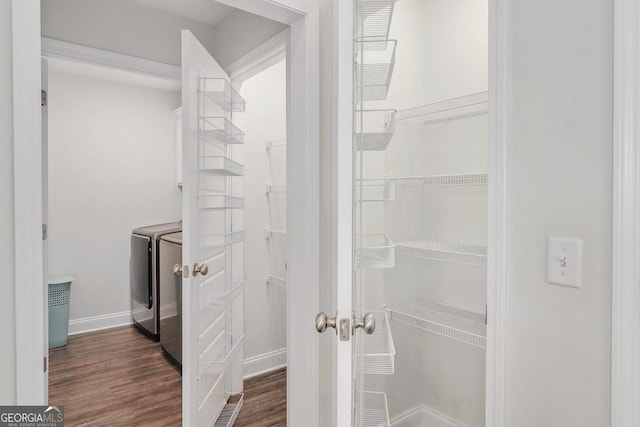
(564, 262)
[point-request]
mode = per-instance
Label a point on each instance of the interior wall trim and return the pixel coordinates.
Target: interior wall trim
(52, 48)
(497, 254)
(625, 297)
(267, 54)
(263, 363)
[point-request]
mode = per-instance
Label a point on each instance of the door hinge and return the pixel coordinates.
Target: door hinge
(44, 231)
(43, 98)
(45, 363)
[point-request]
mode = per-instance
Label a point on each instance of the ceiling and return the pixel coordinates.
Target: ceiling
(205, 11)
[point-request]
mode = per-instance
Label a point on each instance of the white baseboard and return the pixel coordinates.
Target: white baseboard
(97, 323)
(264, 363)
(423, 416)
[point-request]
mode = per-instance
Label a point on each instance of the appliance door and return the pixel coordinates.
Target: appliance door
(171, 298)
(141, 292)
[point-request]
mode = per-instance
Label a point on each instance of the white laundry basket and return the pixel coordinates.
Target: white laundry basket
(59, 296)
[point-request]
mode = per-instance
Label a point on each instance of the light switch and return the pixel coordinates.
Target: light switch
(564, 261)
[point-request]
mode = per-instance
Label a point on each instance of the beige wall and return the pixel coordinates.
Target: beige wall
(7, 315)
(559, 178)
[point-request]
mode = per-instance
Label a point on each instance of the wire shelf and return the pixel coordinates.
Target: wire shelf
(371, 409)
(375, 190)
(220, 129)
(374, 68)
(475, 103)
(444, 320)
(375, 129)
(274, 234)
(442, 180)
(275, 280)
(375, 353)
(229, 414)
(219, 201)
(276, 188)
(221, 92)
(224, 356)
(231, 290)
(276, 143)
(220, 165)
(449, 252)
(212, 241)
(373, 18)
(374, 251)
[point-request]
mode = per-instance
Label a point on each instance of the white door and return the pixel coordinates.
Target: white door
(212, 264)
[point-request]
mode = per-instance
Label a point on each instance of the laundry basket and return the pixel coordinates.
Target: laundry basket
(59, 291)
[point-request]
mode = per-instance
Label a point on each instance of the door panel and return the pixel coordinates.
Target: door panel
(212, 242)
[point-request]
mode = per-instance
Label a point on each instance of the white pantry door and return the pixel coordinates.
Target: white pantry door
(212, 265)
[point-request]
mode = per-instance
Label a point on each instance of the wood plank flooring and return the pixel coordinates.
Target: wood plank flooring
(119, 377)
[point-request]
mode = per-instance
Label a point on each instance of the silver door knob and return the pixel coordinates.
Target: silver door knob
(202, 269)
(177, 270)
(367, 323)
(323, 322)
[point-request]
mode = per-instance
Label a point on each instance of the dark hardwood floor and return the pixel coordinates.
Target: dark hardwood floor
(119, 377)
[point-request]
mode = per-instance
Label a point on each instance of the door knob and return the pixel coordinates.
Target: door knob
(367, 323)
(202, 269)
(323, 322)
(177, 270)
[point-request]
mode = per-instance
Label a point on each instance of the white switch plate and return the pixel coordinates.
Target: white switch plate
(564, 261)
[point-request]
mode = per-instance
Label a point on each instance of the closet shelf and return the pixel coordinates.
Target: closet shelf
(220, 130)
(449, 252)
(371, 409)
(232, 289)
(375, 353)
(276, 143)
(220, 165)
(213, 241)
(442, 180)
(475, 103)
(374, 68)
(274, 234)
(276, 188)
(275, 280)
(224, 356)
(373, 18)
(374, 129)
(450, 322)
(219, 201)
(375, 190)
(221, 92)
(231, 410)
(374, 251)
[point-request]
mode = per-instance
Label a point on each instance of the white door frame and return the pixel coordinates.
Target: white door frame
(304, 186)
(625, 297)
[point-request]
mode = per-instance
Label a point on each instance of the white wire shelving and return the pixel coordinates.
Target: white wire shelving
(219, 201)
(472, 104)
(374, 251)
(224, 355)
(220, 165)
(375, 190)
(276, 143)
(231, 290)
(216, 129)
(374, 68)
(229, 414)
(275, 280)
(373, 18)
(221, 92)
(450, 252)
(274, 234)
(275, 189)
(214, 241)
(374, 129)
(375, 353)
(444, 320)
(371, 409)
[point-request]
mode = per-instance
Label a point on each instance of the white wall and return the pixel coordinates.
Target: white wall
(134, 29)
(111, 169)
(559, 181)
(7, 312)
(265, 305)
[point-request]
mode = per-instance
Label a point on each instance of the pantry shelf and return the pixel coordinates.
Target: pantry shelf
(374, 251)
(450, 322)
(231, 410)
(274, 234)
(475, 103)
(276, 188)
(374, 68)
(449, 252)
(219, 201)
(373, 18)
(375, 190)
(375, 353)
(374, 129)
(276, 143)
(220, 130)
(220, 165)
(232, 289)
(221, 92)
(371, 409)
(224, 356)
(275, 280)
(213, 241)
(442, 180)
